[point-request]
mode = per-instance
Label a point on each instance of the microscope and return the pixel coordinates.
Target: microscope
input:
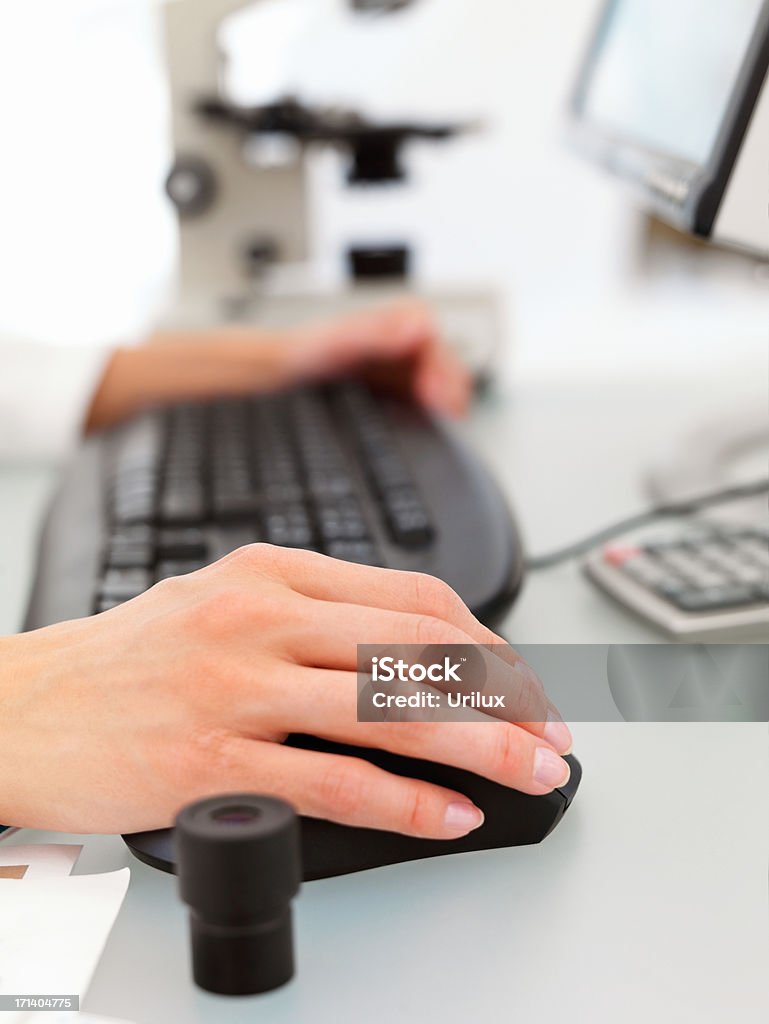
(240, 185)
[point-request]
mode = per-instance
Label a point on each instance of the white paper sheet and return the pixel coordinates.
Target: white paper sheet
(53, 930)
(45, 860)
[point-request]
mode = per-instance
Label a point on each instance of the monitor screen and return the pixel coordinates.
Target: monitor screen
(664, 70)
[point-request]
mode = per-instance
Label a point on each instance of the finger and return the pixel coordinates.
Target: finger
(391, 332)
(399, 346)
(501, 751)
(326, 636)
(330, 635)
(333, 580)
(433, 372)
(350, 791)
(442, 382)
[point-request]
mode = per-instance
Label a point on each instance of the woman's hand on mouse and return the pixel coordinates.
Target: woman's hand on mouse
(112, 723)
(398, 347)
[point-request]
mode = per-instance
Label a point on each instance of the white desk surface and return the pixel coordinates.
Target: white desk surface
(649, 902)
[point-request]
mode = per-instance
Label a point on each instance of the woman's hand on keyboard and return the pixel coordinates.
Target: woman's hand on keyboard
(114, 722)
(397, 347)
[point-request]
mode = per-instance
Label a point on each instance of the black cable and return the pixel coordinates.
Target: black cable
(672, 509)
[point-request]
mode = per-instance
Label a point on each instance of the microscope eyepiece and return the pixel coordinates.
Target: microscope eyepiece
(233, 814)
(239, 868)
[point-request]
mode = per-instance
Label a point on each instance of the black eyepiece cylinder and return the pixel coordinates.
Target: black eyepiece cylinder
(239, 867)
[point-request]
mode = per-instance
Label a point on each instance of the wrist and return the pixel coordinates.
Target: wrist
(17, 678)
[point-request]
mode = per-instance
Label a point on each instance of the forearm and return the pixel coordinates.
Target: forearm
(174, 366)
(395, 347)
(22, 670)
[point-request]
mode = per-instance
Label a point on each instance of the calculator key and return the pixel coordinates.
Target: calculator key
(756, 551)
(626, 555)
(672, 586)
(714, 598)
(749, 574)
(729, 561)
(646, 571)
(705, 575)
(683, 562)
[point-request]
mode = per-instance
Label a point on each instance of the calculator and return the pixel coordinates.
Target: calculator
(708, 584)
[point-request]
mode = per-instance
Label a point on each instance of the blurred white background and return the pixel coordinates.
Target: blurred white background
(87, 242)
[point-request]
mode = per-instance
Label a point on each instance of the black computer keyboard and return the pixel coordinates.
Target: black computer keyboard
(331, 468)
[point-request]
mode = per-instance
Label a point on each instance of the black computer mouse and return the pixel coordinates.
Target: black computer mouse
(328, 849)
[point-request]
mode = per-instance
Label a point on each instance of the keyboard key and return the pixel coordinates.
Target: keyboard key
(133, 509)
(344, 521)
(407, 517)
(234, 505)
(136, 533)
(289, 526)
(183, 542)
(283, 493)
(176, 567)
(411, 529)
(124, 584)
(327, 488)
(184, 504)
(130, 555)
(227, 537)
(362, 552)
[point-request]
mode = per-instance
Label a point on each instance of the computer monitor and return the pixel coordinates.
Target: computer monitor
(673, 96)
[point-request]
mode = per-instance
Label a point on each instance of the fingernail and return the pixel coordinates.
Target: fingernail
(549, 769)
(557, 734)
(462, 817)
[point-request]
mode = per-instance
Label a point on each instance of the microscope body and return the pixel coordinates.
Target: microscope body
(241, 186)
